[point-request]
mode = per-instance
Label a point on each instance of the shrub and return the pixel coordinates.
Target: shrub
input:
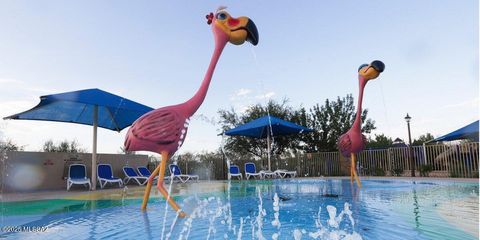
(398, 171)
(425, 170)
(455, 174)
(379, 172)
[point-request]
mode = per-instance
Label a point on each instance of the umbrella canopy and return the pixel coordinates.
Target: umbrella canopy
(265, 127)
(114, 112)
(468, 132)
(260, 128)
(90, 107)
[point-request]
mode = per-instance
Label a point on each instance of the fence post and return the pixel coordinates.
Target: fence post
(425, 154)
(389, 159)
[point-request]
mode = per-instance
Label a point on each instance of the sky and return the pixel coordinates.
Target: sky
(157, 52)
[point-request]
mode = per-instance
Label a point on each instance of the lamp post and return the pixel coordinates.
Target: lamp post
(412, 164)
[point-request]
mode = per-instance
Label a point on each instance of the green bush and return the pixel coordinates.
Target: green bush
(379, 172)
(425, 170)
(454, 174)
(397, 171)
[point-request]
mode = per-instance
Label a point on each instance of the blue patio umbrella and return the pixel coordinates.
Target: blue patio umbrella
(265, 127)
(90, 107)
(468, 132)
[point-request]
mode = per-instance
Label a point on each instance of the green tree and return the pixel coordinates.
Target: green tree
(9, 145)
(64, 146)
(380, 141)
(422, 139)
(330, 121)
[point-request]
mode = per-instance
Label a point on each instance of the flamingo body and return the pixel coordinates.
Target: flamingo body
(160, 130)
(352, 141)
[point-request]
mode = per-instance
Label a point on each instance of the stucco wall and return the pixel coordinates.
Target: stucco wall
(33, 171)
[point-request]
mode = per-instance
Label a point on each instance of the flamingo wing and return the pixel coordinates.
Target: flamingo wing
(345, 144)
(161, 126)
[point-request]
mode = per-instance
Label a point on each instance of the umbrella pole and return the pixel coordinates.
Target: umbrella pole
(94, 147)
(268, 151)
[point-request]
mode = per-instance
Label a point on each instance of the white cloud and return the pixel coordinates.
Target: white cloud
(243, 91)
(266, 95)
(12, 107)
(466, 104)
(9, 81)
(11, 84)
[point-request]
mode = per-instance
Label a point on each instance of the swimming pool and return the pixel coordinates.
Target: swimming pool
(269, 209)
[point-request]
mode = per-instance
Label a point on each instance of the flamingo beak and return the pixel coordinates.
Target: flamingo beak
(252, 32)
(372, 70)
(244, 29)
(379, 66)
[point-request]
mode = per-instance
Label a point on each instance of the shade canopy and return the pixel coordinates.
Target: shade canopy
(114, 112)
(469, 132)
(90, 107)
(260, 128)
(265, 127)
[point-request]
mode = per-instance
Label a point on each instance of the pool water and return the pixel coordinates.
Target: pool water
(266, 209)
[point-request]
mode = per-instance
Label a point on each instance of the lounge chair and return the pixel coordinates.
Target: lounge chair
(268, 174)
(250, 171)
(77, 174)
(105, 175)
(177, 174)
(282, 173)
(234, 171)
(131, 174)
(144, 172)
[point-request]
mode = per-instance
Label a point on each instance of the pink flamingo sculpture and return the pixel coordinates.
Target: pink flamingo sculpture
(353, 141)
(163, 130)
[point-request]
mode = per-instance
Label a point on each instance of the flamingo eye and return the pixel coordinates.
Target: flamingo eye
(221, 16)
(362, 66)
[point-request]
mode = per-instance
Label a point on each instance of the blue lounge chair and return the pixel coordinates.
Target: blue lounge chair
(131, 174)
(144, 172)
(235, 172)
(77, 174)
(105, 175)
(250, 171)
(177, 174)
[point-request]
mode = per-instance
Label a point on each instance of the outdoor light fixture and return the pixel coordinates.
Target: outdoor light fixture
(412, 164)
(408, 118)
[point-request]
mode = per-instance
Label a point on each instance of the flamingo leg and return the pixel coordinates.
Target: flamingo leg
(148, 188)
(161, 188)
(160, 171)
(353, 170)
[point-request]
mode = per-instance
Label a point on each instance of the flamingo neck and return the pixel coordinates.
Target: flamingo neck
(194, 103)
(357, 124)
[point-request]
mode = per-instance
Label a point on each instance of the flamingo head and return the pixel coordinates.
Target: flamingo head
(370, 71)
(234, 30)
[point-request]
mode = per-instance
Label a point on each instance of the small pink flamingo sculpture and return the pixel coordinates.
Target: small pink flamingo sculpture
(353, 141)
(163, 130)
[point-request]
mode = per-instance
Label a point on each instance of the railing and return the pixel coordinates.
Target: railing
(459, 160)
(439, 160)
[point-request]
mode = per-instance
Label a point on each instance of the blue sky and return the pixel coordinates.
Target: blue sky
(156, 53)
